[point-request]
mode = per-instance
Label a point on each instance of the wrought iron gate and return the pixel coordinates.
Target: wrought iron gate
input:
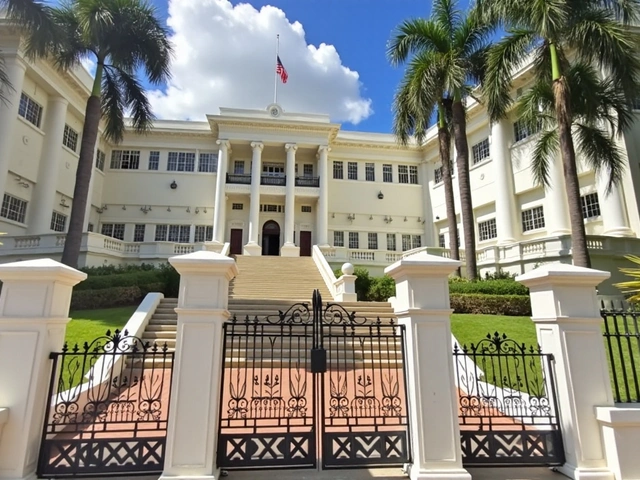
(508, 408)
(313, 383)
(107, 408)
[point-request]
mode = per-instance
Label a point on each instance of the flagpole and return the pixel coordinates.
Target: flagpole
(275, 83)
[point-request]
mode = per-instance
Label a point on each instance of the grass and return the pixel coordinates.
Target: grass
(469, 328)
(86, 326)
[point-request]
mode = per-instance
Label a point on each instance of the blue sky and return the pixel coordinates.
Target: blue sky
(359, 30)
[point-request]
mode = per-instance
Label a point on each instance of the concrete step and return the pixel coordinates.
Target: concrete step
(162, 328)
(163, 321)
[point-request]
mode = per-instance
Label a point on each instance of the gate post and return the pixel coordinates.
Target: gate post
(569, 326)
(195, 397)
(34, 312)
(422, 305)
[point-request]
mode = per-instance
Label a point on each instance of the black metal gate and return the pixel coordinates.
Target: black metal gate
(107, 408)
(508, 407)
(287, 374)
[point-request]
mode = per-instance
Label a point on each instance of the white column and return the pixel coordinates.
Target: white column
(505, 200)
(422, 305)
(44, 192)
(192, 431)
(612, 208)
(15, 69)
(322, 214)
(34, 312)
(289, 248)
(252, 247)
(556, 207)
(569, 326)
(220, 207)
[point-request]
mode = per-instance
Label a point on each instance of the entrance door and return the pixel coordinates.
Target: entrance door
(305, 244)
(314, 382)
(271, 238)
(236, 241)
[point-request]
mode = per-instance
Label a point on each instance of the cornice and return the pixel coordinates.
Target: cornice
(376, 146)
(269, 126)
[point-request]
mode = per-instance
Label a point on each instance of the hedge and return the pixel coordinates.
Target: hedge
(489, 287)
(112, 297)
(512, 305)
(132, 279)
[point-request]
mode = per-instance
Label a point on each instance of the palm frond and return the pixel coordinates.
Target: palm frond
(447, 14)
(5, 84)
(601, 152)
(503, 58)
(113, 105)
(72, 47)
(631, 286)
(414, 36)
(535, 108)
(136, 101)
(625, 11)
(544, 155)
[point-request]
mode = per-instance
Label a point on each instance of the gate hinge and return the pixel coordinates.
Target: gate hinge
(52, 355)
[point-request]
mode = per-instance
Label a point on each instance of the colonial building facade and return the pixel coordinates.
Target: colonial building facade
(272, 182)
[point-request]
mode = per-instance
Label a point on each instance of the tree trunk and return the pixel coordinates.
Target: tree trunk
(466, 207)
(444, 140)
(579, 249)
(71, 250)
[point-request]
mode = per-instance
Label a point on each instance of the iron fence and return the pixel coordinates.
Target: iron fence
(622, 342)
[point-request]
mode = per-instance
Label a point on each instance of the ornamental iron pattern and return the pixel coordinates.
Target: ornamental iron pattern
(508, 409)
(107, 408)
(320, 365)
(622, 343)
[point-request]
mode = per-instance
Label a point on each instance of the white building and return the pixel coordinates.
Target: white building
(274, 182)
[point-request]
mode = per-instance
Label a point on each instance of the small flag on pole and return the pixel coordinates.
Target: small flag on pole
(280, 70)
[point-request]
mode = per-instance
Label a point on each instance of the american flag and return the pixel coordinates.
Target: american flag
(280, 70)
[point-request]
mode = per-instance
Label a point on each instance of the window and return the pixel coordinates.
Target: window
(413, 174)
(307, 170)
(58, 222)
(352, 170)
(532, 219)
(208, 162)
(138, 233)
(125, 159)
(272, 208)
(13, 208)
(90, 227)
(172, 233)
(438, 174)
(369, 172)
(391, 242)
(480, 151)
(387, 173)
(181, 162)
(271, 169)
(237, 206)
(521, 130)
(70, 138)
(114, 230)
(403, 174)
(100, 160)
(372, 241)
(203, 233)
(154, 160)
(487, 230)
(590, 205)
(238, 167)
(306, 208)
(441, 241)
(338, 239)
(30, 110)
(410, 242)
(338, 170)
(354, 240)
(416, 241)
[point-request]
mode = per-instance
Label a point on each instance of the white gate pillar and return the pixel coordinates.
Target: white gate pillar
(195, 394)
(422, 305)
(34, 312)
(569, 326)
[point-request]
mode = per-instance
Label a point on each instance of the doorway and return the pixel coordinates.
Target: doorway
(305, 244)
(271, 238)
(236, 241)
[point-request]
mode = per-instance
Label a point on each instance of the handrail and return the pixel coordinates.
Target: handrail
(325, 270)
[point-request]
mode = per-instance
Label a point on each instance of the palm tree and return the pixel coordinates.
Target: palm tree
(453, 47)
(565, 40)
(413, 108)
(123, 37)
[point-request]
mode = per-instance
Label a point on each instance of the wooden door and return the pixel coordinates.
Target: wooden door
(236, 241)
(305, 244)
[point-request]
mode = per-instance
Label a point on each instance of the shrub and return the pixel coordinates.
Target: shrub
(171, 280)
(99, 282)
(489, 287)
(117, 269)
(106, 297)
(513, 305)
(381, 289)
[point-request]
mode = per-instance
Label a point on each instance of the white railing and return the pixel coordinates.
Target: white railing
(324, 268)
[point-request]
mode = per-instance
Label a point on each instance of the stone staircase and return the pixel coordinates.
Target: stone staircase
(269, 285)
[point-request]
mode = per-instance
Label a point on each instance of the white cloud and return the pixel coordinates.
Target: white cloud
(89, 64)
(225, 57)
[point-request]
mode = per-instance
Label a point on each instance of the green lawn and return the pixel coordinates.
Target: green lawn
(469, 328)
